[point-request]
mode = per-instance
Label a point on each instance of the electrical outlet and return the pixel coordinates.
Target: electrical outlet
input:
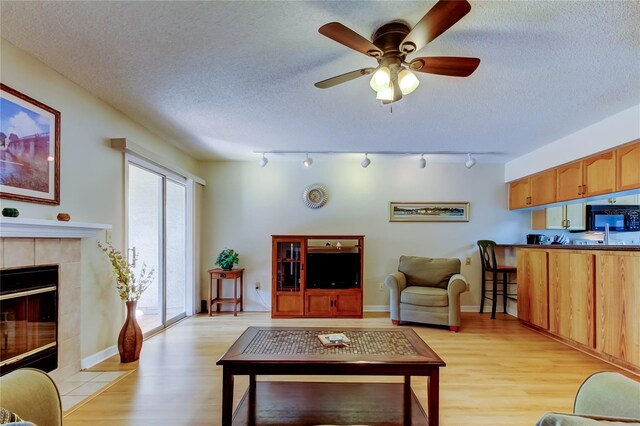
(107, 236)
(257, 286)
(467, 261)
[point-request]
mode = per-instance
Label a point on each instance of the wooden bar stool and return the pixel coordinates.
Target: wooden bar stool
(499, 275)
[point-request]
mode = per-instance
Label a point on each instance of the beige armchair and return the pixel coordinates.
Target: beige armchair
(604, 398)
(32, 395)
(426, 290)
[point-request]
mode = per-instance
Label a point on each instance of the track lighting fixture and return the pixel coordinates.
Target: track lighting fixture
(422, 163)
(308, 161)
(470, 161)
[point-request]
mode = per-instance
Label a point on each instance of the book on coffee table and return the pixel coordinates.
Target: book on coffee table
(334, 339)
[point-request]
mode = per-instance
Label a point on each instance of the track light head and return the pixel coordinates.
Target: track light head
(365, 163)
(308, 161)
(470, 161)
(422, 163)
(263, 161)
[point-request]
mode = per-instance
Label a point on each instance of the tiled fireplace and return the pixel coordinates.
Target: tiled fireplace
(65, 253)
(27, 243)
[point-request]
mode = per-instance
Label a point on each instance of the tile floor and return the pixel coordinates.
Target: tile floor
(85, 384)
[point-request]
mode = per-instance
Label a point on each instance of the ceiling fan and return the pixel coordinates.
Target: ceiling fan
(390, 46)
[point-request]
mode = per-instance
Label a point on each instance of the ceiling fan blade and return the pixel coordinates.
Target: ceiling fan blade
(445, 65)
(439, 19)
(343, 35)
(343, 78)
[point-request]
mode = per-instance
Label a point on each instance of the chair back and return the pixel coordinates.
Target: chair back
(428, 272)
(488, 255)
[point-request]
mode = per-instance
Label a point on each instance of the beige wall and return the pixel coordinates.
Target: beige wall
(91, 180)
(244, 204)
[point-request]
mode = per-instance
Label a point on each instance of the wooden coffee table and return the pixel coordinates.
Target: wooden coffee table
(396, 351)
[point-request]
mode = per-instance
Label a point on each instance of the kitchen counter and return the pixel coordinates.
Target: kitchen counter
(601, 247)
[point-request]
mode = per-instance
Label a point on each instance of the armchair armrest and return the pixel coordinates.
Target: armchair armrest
(396, 282)
(457, 284)
(608, 394)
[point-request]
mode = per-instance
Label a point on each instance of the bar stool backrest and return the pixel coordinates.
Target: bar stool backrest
(488, 255)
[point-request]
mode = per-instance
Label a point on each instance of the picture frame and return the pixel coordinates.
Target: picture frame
(422, 211)
(29, 149)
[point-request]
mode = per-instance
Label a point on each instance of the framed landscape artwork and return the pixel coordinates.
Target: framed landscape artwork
(428, 211)
(29, 149)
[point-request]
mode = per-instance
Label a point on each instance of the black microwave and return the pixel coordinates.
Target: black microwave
(619, 218)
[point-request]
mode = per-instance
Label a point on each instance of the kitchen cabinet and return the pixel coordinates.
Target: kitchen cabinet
(533, 287)
(571, 217)
(618, 305)
(306, 267)
(592, 303)
(532, 191)
(628, 167)
(592, 176)
(571, 295)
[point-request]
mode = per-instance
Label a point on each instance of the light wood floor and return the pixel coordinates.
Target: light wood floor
(498, 373)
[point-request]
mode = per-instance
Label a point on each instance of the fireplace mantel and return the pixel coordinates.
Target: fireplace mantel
(11, 227)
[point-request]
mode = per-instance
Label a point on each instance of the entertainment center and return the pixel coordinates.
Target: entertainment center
(317, 276)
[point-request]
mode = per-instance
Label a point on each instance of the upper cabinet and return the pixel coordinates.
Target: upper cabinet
(628, 167)
(593, 176)
(605, 173)
(535, 190)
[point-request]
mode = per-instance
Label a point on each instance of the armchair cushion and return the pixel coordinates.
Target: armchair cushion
(423, 271)
(424, 296)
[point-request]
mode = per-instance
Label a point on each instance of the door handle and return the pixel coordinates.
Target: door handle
(133, 262)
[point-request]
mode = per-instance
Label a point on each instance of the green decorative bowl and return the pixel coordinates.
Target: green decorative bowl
(10, 212)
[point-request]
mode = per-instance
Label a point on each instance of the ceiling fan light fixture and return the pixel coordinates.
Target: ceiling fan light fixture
(308, 161)
(470, 161)
(365, 163)
(381, 79)
(386, 94)
(407, 81)
(422, 163)
(263, 161)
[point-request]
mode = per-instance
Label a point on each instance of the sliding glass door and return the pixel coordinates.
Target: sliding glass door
(158, 238)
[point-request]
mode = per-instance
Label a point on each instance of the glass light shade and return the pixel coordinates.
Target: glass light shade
(365, 163)
(263, 161)
(408, 81)
(422, 163)
(386, 94)
(308, 161)
(381, 79)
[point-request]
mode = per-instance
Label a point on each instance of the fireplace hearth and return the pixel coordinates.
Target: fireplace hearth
(29, 318)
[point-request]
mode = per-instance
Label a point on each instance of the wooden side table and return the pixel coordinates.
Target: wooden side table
(219, 275)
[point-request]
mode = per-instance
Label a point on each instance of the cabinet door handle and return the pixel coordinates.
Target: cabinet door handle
(584, 189)
(568, 223)
(579, 189)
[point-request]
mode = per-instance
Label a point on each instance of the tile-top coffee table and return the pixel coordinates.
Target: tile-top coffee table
(396, 351)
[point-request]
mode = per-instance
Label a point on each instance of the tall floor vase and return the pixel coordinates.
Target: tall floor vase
(130, 338)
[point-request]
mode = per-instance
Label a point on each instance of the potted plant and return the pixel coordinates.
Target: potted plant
(130, 288)
(227, 258)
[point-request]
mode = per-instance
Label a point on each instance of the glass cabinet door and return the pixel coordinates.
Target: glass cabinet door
(289, 266)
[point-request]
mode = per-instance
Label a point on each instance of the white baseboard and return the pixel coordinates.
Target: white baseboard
(98, 357)
(375, 308)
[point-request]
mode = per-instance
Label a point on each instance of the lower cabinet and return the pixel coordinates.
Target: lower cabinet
(533, 287)
(332, 303)
(589, 298)
(618, 305)
(571, 295)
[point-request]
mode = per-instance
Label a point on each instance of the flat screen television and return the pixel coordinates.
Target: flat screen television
(333, 270)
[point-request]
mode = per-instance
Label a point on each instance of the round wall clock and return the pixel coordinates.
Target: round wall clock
(315, 196)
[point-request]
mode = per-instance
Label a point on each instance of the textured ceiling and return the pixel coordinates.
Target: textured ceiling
(224, 79)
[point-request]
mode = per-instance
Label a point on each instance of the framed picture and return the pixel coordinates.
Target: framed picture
(29, 149)
(428, 212)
